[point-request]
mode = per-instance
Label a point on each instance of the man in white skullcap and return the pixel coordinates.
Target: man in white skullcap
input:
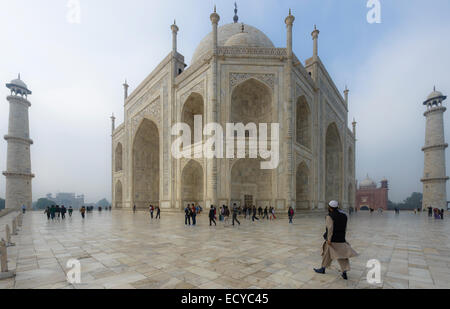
(335, 246)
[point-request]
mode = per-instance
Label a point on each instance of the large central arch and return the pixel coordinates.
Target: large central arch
(192, 184)
(251, 101)
(333, 164)
(250, 183)
(146, 165)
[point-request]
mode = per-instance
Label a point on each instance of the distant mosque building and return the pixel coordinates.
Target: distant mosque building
(370, 196)
(18, 168)
(236, 75)
(435, 177)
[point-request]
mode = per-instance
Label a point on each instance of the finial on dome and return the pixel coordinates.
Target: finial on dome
(236, 17)
(18, 76)
(215, 11)
(290, 13)
(434, 87)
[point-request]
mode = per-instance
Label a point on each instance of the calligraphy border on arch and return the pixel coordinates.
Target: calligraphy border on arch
(237, 78)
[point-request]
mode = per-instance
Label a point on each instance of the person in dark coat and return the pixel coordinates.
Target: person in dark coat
(194, 215)
(254, 217)
(47, 212)
(266, 213)
(187, 215)
(212, 216)
(235, 213)
(335, 246)
(442, 214)
(290, 214)
(158, 213)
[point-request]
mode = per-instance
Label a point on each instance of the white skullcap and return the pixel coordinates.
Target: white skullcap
(334, 204)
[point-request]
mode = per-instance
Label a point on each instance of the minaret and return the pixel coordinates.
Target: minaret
(125, 90)
(315, 37)
(434, 179)
(18, 173)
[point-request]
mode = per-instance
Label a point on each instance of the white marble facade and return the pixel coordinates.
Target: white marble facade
(236, 75)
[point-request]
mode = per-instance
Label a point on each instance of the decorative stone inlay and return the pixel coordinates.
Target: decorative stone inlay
(199, 88)
(237, 78)
(259, 51)
(148, 93)
(153, 110)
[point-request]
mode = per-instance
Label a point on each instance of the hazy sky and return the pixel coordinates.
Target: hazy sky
(76, 73)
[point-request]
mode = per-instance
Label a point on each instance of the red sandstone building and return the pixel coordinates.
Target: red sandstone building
(368, 196)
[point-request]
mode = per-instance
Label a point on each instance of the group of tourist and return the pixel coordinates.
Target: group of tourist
(59, 212)
(438, 214)
(56, 212)
(190, 212)
(223, 214)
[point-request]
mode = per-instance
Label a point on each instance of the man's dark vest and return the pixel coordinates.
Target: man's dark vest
(339, 227)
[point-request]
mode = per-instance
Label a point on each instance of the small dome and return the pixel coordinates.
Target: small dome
(18, 83)
(252, 36)
(368, 183)
(18, 86)
(435, 94)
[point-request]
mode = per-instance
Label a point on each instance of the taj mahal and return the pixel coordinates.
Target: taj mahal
(236, 75)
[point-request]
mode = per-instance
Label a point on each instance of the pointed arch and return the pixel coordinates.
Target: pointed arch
(194, 105)
(118, 158)
(303, 122)
(118, 195)
(333, 164)
(192, 184)
(251, 101)
(303, 189)
(146, 165)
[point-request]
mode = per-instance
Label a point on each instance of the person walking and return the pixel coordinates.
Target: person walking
(430, 211)
(187, 215)
(70, 211)
(24, 209)
(134, 208)
(260, 211)
(335, 246)
(254, 217)
(235, 213)
(58, 211)
(83, 212)
(290, 214)
(442, 214)
(194, 215)
(212, 216)
(151, 211)
(266, 213)
(63, 212)
(47, 212)
(158, 213)
(53, 212)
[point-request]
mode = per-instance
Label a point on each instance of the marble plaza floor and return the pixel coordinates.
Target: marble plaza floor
(120, 249)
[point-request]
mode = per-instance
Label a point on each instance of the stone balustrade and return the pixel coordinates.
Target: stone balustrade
(16, 220)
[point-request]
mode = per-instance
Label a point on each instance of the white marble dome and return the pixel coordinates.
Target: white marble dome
(368, 183)
(232, 35)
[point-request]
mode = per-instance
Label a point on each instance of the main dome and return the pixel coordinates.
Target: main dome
(232, 35)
